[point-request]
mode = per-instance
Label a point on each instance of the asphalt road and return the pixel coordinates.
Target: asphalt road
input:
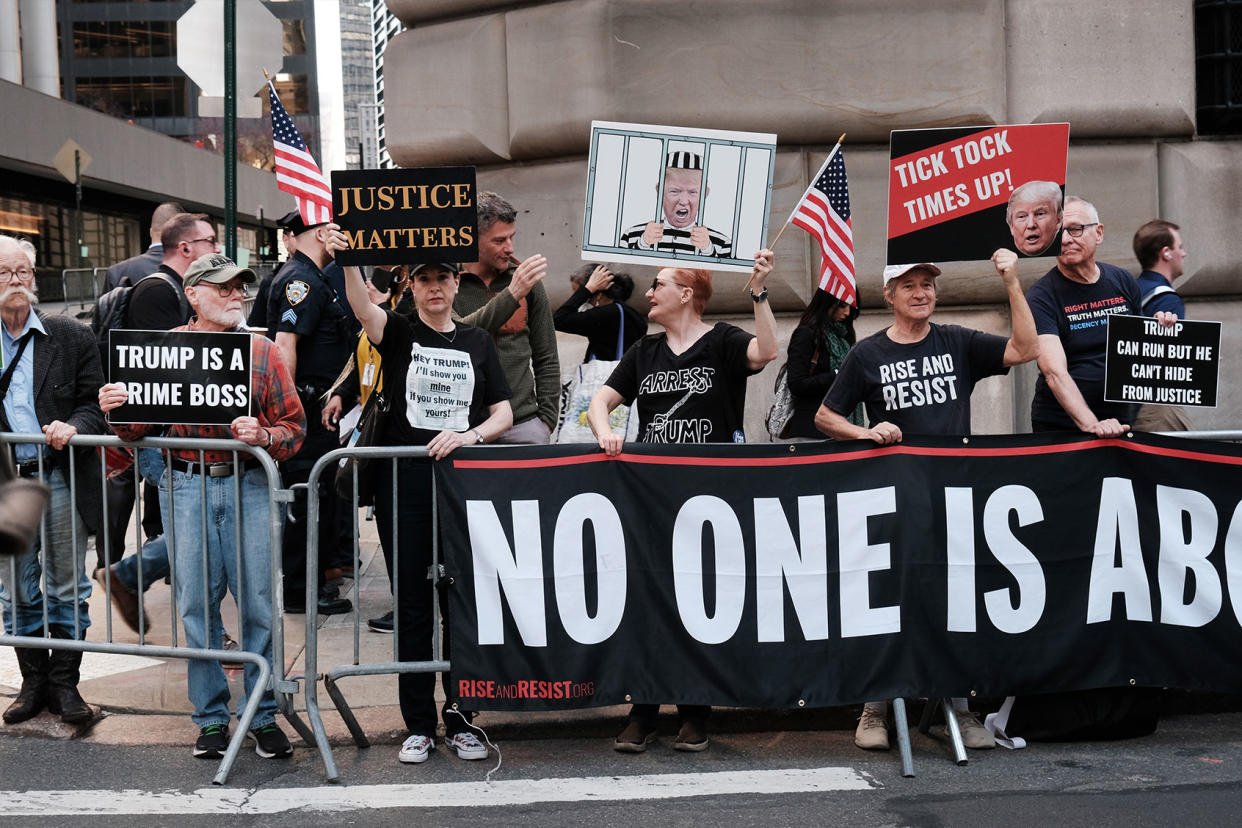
(1188, 773)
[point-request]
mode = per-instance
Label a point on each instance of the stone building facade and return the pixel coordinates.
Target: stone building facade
(512, 87)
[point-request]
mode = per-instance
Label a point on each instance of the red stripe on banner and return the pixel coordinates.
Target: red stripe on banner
(878, 451)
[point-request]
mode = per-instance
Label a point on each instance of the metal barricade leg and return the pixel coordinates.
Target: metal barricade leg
(347, 714)
(903, 737)
(955, 733)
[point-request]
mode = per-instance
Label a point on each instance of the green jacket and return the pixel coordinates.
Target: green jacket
(527, 346)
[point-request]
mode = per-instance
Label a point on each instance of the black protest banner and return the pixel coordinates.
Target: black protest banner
(826, 574)
(406, 216)
(949, 192)
(190, 377)
(1149, 363)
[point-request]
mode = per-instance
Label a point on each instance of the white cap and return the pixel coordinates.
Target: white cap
(892, 272)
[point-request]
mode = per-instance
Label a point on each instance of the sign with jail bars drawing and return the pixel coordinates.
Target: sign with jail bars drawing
(673, 197)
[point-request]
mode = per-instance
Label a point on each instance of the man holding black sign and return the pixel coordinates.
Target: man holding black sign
(1071, 305)
(1158, 248)
(216, 288)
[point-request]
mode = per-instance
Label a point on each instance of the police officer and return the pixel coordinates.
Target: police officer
(315, 335)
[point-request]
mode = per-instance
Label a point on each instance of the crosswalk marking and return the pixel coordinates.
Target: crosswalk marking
(332, 798)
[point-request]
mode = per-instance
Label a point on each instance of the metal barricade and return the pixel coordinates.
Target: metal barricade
(326, 468)
(82, 286)
(284, 690)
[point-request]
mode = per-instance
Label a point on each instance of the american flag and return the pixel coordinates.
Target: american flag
(824, 212)
(296, 170)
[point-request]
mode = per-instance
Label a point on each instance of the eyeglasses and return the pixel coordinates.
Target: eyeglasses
(22, 275)
(1075, 230)
(228, 288)
(210, 240)
(657, 282)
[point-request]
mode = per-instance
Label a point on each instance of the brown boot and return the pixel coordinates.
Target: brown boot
(32, 698)
(62, 684)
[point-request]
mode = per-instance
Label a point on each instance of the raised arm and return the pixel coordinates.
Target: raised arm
(1023, 346)
(764, 347)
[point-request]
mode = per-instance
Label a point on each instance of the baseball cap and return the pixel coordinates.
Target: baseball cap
(449, 266)
(892, 272)
(215, 269)
(293, 223)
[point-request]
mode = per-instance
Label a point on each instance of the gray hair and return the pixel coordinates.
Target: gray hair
(493, 208)
(1092, 213)
(1035, 191)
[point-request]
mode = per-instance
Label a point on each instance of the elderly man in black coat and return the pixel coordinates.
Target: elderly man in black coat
(50, 385)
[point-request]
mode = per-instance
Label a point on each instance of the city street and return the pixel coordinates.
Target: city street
(1187, 773)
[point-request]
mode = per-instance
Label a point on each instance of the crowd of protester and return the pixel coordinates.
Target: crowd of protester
(336, 337)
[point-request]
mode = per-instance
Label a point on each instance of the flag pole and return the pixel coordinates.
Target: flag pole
(794, 212)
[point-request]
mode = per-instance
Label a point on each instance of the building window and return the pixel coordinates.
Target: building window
(1218, 66)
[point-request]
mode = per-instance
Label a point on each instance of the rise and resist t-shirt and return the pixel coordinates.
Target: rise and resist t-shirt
(1078, 315)
(922, 387)
(695, 397)
(432, 384)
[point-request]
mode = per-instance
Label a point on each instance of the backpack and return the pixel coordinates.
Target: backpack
(112, 310)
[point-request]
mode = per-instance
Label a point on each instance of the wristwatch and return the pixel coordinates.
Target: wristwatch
(761, 296)
(478, 436)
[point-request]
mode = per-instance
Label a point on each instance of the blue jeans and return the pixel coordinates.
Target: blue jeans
(62, 564)
(153, 556)
(199, 601)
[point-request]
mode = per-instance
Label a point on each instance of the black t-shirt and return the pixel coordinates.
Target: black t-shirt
(302, 302)
(696, 397)
(1078, 315)
(432, 384)
(602, 326)
(923, 387)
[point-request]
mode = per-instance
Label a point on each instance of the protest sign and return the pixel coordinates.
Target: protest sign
(1149, 363)
(673, 197)
(764, 576)
(406, 216)
(949, 191)
(188, 377)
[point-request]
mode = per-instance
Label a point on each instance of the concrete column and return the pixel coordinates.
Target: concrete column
(10, 43)
(40, 54)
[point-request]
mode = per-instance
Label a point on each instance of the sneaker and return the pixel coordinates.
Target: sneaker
(415, 750)
(213, 740)
(467, 745)
(692, 737)
(270, 741)
(974, 735)
(383, 624)
(229, 644)
(635, 738)
(872, 731)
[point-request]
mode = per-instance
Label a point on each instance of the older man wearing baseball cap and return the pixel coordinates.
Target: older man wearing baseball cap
(216, 288)
(916, 377)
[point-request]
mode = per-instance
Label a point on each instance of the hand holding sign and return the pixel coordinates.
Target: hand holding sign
(249, 431)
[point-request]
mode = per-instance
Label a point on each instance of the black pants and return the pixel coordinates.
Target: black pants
(415, 617)
(335, 533)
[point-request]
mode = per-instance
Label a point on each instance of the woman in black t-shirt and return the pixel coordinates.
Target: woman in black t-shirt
(690, 385)
(444, 388)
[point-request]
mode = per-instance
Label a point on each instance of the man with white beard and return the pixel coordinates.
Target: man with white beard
(49, 384)
(216, 290)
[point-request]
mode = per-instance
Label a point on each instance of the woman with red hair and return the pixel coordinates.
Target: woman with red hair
(689, 383)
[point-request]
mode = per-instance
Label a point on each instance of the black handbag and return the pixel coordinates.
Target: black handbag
(366, 434)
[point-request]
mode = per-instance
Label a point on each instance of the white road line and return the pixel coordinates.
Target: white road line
(231, 801)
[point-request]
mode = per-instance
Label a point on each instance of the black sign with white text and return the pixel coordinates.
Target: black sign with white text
(1149, 363)
(406, 216)
(828, 574)
(190, 377)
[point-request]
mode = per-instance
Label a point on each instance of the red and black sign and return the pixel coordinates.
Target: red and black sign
(949, 191)
(841, 572)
